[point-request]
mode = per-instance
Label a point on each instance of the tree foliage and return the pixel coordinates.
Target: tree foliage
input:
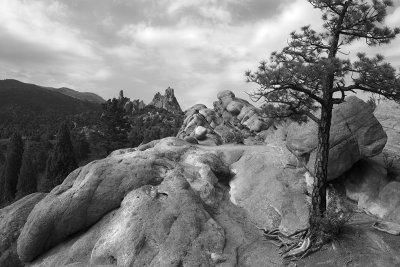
(62, 159)
(27, 180)
(12, 167)
(114, 125)
(152, 123)
(312, 72)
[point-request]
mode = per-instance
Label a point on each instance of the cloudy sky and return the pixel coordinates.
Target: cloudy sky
(198, 47)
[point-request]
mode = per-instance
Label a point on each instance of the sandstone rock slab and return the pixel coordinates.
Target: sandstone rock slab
(12, 220)
(355, 134)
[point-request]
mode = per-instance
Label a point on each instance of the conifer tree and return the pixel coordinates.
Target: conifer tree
(309, 73)
(62, 159)
(114, 125)
(12, 167)
(27, 180)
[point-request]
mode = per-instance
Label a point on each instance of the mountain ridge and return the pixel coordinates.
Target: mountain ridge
(28, 108)
(84, 96)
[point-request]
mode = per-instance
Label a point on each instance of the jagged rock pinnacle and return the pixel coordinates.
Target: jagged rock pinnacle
(167, 101)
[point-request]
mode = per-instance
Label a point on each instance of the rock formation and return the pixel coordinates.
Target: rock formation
(134, 106)
(355, 134)
(231, 120)
(167, 101)
(12, 219)
(388, 114)
(165, 204)
(375, 183)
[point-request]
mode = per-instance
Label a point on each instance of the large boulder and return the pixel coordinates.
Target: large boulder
(388, 114)
(272, 194)
(153, 183)
(167, 203)
(225, 97)
(200, 132)
(83, 198)
(355, 134)
(12, 220)
(364, 181)
(385, 204)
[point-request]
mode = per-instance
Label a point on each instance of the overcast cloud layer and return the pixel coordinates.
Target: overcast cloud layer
(198, 47)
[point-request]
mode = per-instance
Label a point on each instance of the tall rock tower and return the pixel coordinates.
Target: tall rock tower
(167, 101)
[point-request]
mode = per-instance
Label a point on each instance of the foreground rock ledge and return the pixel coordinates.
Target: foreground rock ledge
(12, 220)
(167, 203)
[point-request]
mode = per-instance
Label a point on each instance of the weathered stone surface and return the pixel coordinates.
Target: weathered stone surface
(388, 114)
(230, 112)
(12, 219)
(165, 203)
(355, 134)
(364, 181)
(386, 204)
(167, 101)
(272, 194)
(255, 124)
(226, 97)
(191, 140)
(84, 197)
(200, 132)
(234, 107)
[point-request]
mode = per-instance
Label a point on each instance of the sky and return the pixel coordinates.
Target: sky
(197, 47)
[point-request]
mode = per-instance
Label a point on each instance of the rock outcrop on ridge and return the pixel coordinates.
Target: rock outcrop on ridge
(231, 120)
(134, 106)
(167, 101)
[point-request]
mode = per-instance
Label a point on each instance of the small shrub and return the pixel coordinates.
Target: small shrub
(337, 214)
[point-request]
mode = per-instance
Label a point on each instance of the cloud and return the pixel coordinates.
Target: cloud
(197, 47)
(198, 59)
(33, 23)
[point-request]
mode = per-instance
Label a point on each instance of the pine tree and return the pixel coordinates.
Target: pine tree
(114, 125)
(308, 73)
(27, 181)
(12, 167)
(81, 147)
(62, 159)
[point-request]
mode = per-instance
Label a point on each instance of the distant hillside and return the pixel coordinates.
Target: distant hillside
(84, 96)
(31, 109)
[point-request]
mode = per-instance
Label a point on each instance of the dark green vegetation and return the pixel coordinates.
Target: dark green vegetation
(27, 180)
(84, 96)
(10, 173)
(61, 161)
(153, 123)
(309, 74)
(60, 133)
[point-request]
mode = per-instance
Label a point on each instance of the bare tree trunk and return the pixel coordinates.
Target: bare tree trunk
(318, 201)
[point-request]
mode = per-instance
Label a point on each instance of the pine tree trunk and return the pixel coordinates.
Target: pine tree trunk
(318, 201)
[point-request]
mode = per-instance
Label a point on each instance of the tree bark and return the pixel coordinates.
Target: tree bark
(318, 200)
